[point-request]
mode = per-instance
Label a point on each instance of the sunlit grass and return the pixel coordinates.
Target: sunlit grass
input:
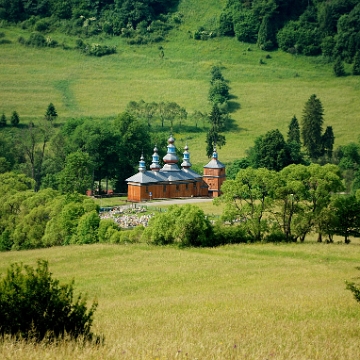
(232, 302)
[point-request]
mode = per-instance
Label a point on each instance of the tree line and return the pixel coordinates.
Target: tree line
(261, 205)
(304, 144)
(140, 21)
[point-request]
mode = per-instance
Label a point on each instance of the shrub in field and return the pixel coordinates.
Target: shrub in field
(224, 234)
(183, 225)
(354, 289)
(107, 228)
(94, 49)
(34, 306)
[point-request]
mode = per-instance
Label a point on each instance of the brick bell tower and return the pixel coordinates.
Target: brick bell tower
(214, 175)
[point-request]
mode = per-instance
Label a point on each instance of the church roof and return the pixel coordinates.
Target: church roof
(214, 163)
(170, 172)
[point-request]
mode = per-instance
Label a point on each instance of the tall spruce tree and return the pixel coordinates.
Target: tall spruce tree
(213, 137)
(311, 129)
(293, 134)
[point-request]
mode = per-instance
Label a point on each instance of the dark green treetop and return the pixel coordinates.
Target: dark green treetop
(293, 134)
(3, 120)
(356, 65)
(51, 113)
(15, 119)
(312, 123)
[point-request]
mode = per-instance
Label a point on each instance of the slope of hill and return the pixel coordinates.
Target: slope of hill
(266, 96)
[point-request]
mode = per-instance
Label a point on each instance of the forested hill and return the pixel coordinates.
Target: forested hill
(309, 27)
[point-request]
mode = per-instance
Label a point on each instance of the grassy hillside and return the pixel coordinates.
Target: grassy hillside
(234, 302)
(266, 96)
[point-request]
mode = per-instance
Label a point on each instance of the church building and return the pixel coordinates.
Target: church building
(171, 182)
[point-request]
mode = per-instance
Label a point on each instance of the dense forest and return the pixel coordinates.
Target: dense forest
(145, 19)
(331, 28)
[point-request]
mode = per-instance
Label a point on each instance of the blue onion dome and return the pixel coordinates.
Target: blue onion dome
(155, 166)
(186, 159)
(215, 154)
(142, 166)
(170, 157)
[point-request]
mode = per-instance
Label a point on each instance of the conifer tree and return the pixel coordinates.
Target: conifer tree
(213, 137)
(294, 131)
(3, 120)
(264, 40)
(339, 69)
(311, 129)
(51, 113)
(328, 142)
(15, 119)
(356, 65)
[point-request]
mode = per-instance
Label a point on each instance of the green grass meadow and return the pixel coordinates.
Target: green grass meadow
(234, 302)
(265, 96)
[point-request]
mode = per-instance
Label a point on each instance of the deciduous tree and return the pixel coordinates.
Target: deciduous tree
(270, 151)
(347, 212)
(248, 198)
(77, 173)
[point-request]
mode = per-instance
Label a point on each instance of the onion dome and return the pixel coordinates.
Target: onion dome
(186, 159)
(215, 154)
(142, 166)
(170, 157)
(155, 160)
(214, 163)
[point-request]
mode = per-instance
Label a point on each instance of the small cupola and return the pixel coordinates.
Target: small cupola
(186, 164)
(155, 166)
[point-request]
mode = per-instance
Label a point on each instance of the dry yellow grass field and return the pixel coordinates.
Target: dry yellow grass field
(260, 301)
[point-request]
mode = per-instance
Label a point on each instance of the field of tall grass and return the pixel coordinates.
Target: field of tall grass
(260, 301)
(265, 97)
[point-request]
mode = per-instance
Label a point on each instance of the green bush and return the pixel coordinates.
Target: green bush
(225, 234)
(87, 229)
(36, 39)
(5, 41)
(182, 225)
(107, 228)
(276, 237)
(43, 25)
(34, 306)
(354, 289)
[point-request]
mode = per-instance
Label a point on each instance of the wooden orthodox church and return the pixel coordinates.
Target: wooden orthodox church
(172, 182)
